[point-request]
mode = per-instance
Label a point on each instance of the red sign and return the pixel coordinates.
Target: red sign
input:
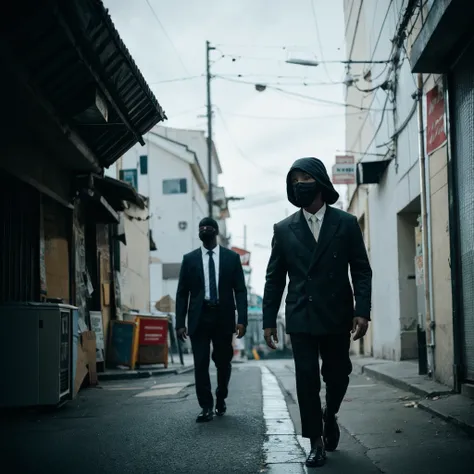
(435, 134)
(153, 331)
(244, 255)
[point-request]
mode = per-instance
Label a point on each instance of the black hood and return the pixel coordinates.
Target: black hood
(315, 168)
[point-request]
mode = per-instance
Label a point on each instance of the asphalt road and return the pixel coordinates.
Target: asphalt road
(140, 427)
(148, 426)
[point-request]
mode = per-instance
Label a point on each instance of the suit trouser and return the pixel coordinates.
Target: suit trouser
(336, 368)
(209, 331)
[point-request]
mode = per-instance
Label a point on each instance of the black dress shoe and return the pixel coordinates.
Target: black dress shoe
(221, 407)
(332, 433)
(317, 457)
(205, 415)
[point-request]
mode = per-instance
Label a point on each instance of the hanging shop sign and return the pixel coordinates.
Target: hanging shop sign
(344, 170)
(435, 131)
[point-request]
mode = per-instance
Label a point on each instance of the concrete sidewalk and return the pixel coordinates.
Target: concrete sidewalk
(435, 398)
(381, 431)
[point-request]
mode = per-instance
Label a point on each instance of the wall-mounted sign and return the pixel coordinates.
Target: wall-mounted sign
(131, 177)
(344, 170)
(244, 255)
(435, 132)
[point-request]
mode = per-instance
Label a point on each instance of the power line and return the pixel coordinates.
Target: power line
(356, 29)
(168, 37)
(267, 84)
(381, 30)
(176, 79)
(397, 43)
(321, 101)
(273, 117)
(318, 37)
(296, 94)
(239, 150)
(376, 131)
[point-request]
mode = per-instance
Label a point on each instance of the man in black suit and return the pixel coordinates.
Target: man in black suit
(211, 286)
(315, 247)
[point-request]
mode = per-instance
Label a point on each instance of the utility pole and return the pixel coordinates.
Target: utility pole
(209, 48)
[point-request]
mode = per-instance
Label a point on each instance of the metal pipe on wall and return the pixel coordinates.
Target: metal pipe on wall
(425, 218)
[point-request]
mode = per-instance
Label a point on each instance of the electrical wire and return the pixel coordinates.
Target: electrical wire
(321, 101)
(381, 30)
(365, 153)
(296, 94)
(267, 84)
(356, 29)
(316, 117)
(239, 150)
(168, 37)
(397, 43)
(318, 37)
(176, 79)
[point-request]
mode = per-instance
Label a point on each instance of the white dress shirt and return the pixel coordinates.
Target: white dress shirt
(315, 221)
(205, 264)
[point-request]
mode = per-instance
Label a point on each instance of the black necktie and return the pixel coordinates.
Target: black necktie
(212, 278)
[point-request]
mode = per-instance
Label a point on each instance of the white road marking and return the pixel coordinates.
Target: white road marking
(282, 451)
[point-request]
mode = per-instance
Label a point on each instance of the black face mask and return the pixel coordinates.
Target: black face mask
(207, 235)
(305, 193)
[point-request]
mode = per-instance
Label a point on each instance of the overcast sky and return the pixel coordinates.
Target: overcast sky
(258, 135)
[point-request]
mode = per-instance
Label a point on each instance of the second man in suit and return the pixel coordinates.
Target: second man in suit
(211, 287)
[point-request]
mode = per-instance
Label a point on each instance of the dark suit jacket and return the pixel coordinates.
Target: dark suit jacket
(320, 297)
(232, 291)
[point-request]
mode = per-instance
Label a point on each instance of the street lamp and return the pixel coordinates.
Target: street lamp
(303, 62)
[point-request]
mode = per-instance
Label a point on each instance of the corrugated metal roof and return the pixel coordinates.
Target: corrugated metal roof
(71, 49)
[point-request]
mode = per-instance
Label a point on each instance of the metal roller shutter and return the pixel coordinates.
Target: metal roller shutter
(462, 93)
(19, 240)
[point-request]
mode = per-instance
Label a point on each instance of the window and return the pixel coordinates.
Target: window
(175, 186)
(143, 164)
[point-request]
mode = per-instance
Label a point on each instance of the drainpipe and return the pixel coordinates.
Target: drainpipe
(427, 261)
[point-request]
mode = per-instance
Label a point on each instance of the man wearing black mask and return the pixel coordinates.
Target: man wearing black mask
(211, 285)
(315, 248)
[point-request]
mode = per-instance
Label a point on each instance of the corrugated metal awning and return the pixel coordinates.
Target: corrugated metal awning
(71, 54)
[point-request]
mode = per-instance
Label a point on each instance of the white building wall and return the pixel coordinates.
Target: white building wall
(169, 161)
(134, 258)
(389, 247)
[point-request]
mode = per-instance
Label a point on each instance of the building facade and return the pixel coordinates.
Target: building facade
(401, 179)
(450, 58)
(170, 171)
(69, 118)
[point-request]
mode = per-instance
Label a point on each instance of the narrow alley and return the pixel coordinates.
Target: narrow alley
(147, 426)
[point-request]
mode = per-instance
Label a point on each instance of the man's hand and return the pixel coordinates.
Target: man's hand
(240, 329)
(271, 337)
(359, 328)
(182, 334)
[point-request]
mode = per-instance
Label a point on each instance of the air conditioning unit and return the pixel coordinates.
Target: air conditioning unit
(36, 347)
